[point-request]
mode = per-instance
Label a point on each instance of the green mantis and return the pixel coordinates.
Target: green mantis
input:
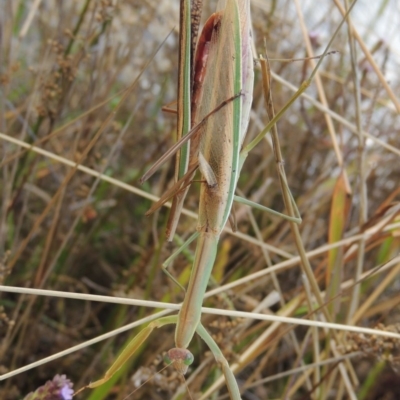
(219, 147)
(224, 114)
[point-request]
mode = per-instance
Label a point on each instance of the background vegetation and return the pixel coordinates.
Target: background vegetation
(64, 65)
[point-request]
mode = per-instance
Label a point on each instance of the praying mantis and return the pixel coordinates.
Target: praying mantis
(220, 139)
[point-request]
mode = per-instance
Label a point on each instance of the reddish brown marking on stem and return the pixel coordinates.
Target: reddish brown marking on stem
(200, 61)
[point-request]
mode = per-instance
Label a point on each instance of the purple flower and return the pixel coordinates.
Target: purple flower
(66, 392)
(60, 388)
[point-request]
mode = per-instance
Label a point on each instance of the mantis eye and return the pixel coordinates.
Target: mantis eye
(167, 359)
(188, 359)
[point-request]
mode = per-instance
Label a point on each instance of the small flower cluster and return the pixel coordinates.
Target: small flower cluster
(60, 388)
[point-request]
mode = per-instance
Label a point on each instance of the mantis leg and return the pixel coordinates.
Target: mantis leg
(257, 206)
(166, 263)
(230, 379)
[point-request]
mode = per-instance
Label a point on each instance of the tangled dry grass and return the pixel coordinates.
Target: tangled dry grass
(65, 67)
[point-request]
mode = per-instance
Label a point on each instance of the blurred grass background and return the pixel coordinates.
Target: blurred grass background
(64, 66)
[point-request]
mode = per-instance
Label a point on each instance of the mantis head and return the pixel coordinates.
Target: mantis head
(181, 358)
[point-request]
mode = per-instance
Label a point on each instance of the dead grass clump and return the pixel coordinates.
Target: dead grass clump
(66, 67)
